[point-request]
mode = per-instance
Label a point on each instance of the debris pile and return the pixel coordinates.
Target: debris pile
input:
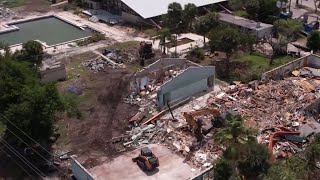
(97, 64)
(121, 56)
(144, 92)
(283, 111)
(277, 108)
(142, 134)
(6, 12)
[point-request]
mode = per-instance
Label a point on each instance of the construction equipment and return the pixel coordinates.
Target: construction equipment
(198, 124)
(145, 51)
(146, 160)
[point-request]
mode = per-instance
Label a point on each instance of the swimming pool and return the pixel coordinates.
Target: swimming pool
(50, 30)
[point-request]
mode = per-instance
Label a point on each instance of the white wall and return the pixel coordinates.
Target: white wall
(54, 74)
(78, 171)
(188, 90)
(264, 32)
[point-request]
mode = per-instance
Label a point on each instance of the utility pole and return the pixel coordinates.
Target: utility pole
(289, 6)
(176, 39)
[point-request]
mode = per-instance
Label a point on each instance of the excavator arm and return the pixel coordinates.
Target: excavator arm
(191, 116)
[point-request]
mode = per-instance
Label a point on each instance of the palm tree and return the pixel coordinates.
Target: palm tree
(189, 13)
(234, 135)
(164, 35)
(204, 24)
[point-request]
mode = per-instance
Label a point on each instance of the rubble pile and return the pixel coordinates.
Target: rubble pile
(276, 103)
(122, 56)
(97, 64)
(144, 96)
(277, 108)
(6, 12)
(142, 134)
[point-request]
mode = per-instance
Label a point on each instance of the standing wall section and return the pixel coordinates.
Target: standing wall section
(78, 171)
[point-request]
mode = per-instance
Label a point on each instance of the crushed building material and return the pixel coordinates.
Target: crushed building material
(285, 112)
(98, 64)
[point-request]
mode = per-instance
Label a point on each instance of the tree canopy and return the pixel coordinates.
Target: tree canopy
(225, 39)
(32, 52)
(27, 103)
(259, 10)
(205, 23)
(313, 41)
(190, 11)
(289, 28)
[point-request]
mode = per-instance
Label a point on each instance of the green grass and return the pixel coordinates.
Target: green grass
(257, 62)
(124, 45)
(134, 67)
(241, 13)
(74, 67)
(150, 32)
(255, 66)
(15, 3)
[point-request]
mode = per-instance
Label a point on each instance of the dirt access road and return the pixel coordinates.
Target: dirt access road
(171, 167)
(104, 115)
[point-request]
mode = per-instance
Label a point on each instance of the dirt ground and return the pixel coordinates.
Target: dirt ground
(104, 114)
(33, 5)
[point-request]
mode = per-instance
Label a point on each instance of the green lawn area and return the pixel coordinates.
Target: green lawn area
(255, 66)
(241, 13)
(257, 62)
(247, 67)
(14, 3)
(150, 32)
(74, 67)
(123, 45)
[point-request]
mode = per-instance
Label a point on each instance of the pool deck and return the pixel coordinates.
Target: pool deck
(112, 33)
(197, 41)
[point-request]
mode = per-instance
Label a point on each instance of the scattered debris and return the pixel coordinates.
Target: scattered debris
(98, 64)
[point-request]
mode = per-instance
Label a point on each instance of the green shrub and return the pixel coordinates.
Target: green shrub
(197, 53)
(71, 103)
(96, 37)
(241, 13)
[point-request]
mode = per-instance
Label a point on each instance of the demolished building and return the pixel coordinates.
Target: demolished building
(284, 106)
(173, 80)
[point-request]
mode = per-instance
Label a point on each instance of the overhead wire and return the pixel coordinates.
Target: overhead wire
(60, 171)
(23, 159)
(16, 162)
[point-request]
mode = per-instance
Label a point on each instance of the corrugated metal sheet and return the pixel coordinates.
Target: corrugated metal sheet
(152, 8)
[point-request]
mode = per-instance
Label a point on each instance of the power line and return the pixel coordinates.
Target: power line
(24, 160)
(25, 134)
(36, 151)
(16, 162)
(32, 147)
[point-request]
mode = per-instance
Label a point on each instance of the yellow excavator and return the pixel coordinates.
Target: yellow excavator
(200, 126)
(146, 160)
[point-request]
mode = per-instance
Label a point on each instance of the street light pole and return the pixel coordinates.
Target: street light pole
(176, 40)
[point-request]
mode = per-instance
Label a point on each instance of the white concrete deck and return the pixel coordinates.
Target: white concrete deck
(122, 167)
(197, 41)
